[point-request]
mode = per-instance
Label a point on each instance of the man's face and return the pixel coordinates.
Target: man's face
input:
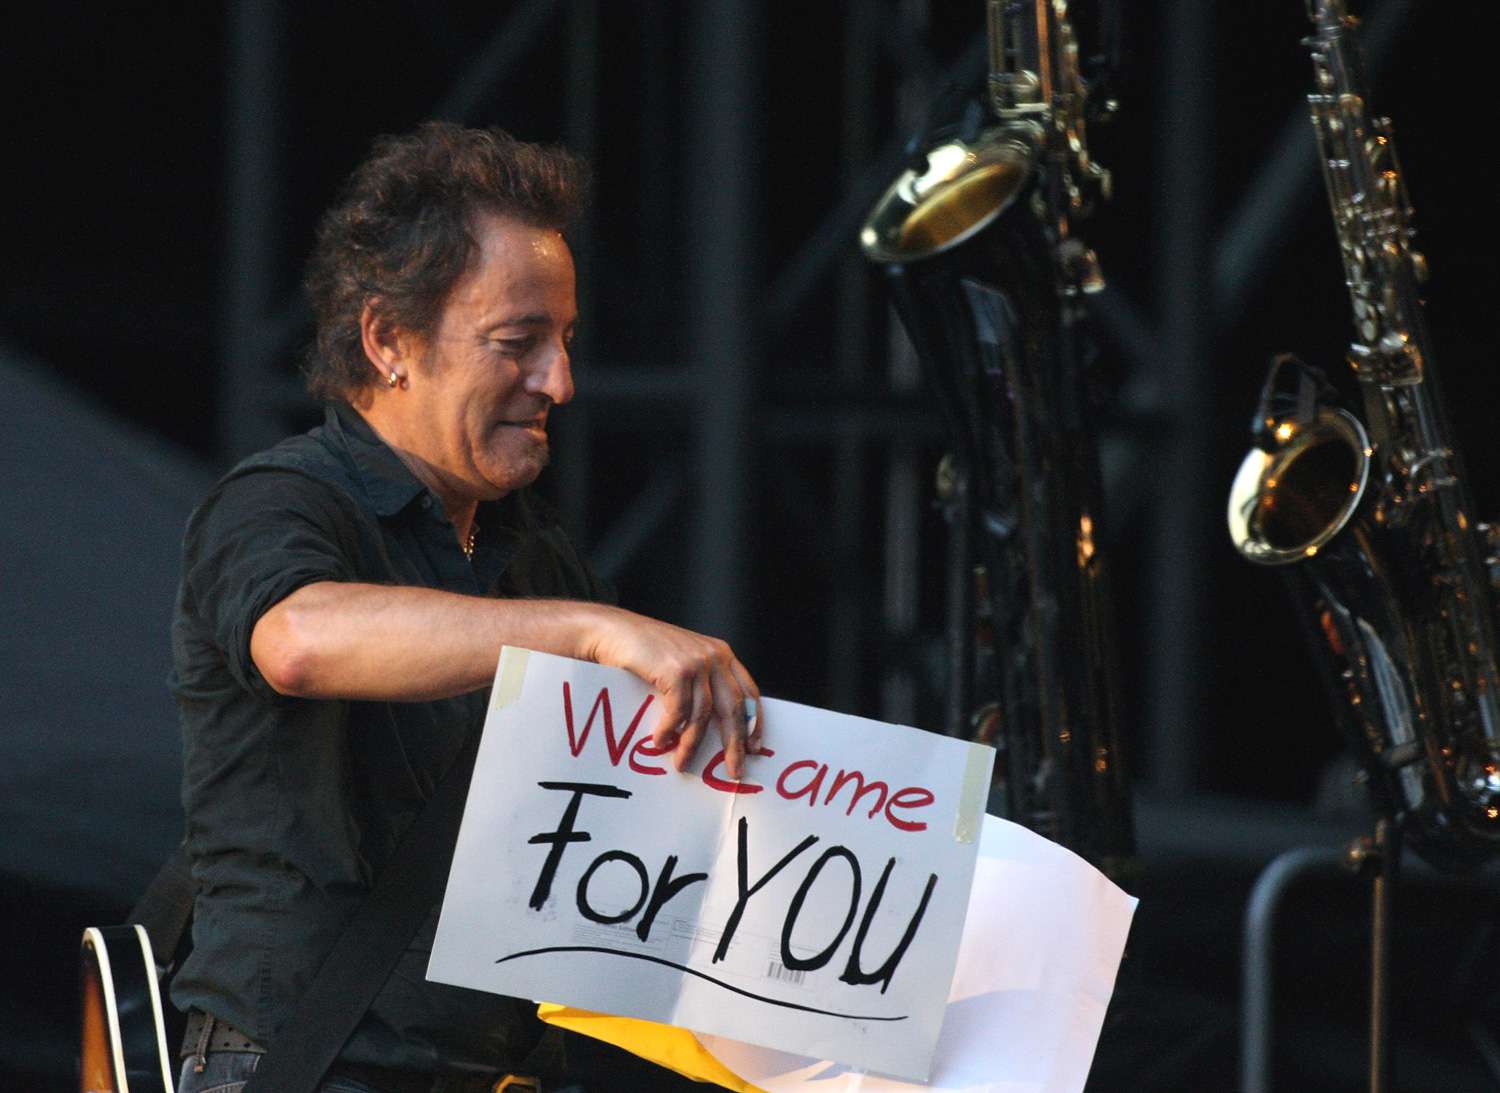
(495, 364)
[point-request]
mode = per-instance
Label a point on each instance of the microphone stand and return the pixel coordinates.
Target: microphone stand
(1378, 856)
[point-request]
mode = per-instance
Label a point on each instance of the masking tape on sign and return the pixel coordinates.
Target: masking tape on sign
(510, 677)
(973, 793)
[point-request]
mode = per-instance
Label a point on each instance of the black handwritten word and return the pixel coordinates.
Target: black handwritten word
(803, 779)
(652, 897)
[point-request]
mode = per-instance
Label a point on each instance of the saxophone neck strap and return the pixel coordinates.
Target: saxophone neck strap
(1293, 391)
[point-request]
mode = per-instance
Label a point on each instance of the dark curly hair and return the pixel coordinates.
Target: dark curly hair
(401, 233)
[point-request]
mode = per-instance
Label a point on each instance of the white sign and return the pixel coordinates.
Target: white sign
(814, 907)
(1042, 943)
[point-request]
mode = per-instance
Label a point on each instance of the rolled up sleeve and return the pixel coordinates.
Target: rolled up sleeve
(257, 539)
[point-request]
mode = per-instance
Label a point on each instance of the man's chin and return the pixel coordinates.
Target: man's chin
(517, 473)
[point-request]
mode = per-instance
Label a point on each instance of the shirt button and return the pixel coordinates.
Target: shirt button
(427, 501)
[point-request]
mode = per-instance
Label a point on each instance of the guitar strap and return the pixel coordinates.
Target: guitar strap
(361, 960)
(166, 907)
(367, 951)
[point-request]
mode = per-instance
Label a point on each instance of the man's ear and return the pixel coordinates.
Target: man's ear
(387, 347)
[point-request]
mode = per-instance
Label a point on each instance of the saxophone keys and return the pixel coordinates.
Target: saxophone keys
(1489, 539)
(1080, 266)
(1361, 854)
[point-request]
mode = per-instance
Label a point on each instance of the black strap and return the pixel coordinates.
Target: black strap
(166, 906)
(1292, 390)
(366, 953)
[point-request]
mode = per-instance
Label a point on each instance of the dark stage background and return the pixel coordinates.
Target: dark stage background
(751, 451)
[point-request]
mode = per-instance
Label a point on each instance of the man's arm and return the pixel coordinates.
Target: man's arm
(338, 640)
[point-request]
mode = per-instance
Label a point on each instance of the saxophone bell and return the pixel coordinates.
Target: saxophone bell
(963, 188)
(1307, 474)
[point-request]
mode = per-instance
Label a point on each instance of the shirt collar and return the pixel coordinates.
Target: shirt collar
(388, 482)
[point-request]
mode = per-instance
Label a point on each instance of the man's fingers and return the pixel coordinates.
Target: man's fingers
(706, 683)
(697, 721)
(751, 704)
(676, 707)
(754, 738)
(730, 715)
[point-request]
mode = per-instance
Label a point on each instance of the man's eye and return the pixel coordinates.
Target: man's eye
(512, 347)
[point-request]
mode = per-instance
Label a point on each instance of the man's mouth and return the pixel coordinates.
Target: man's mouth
(535, 421)
(537, 424)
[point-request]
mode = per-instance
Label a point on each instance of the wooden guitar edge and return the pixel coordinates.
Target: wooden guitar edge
(102, 1064)
(103, 1067)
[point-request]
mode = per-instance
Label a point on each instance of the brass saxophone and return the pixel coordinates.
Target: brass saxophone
(987, 277)
(1371, 519)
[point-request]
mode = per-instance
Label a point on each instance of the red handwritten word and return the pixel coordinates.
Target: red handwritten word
(614, 745)
(804, 778)
(885, 800)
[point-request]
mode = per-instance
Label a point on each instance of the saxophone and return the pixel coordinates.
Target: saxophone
(987, 277)
(1370, 517)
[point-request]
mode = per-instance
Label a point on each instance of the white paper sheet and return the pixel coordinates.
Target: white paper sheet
(1042, 941)
(830, 869)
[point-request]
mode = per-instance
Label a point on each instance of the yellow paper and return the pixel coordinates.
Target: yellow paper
(666, 1045)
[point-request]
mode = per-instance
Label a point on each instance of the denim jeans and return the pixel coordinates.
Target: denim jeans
(228, 1071)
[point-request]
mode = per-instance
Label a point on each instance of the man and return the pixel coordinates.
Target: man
(346, 594)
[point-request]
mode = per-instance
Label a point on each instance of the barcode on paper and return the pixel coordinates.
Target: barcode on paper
(775, 970)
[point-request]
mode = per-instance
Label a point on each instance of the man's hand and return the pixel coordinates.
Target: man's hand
(700, 680)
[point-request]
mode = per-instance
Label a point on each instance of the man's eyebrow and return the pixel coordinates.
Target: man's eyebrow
(533, 318)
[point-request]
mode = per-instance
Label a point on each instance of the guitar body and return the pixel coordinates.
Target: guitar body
(123, 1048)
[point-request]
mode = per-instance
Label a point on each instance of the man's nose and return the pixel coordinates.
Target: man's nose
(554, 377)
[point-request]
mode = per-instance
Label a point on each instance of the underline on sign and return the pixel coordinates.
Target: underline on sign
(700, 975)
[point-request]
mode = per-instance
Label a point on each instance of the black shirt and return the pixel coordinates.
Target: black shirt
(294, 804)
